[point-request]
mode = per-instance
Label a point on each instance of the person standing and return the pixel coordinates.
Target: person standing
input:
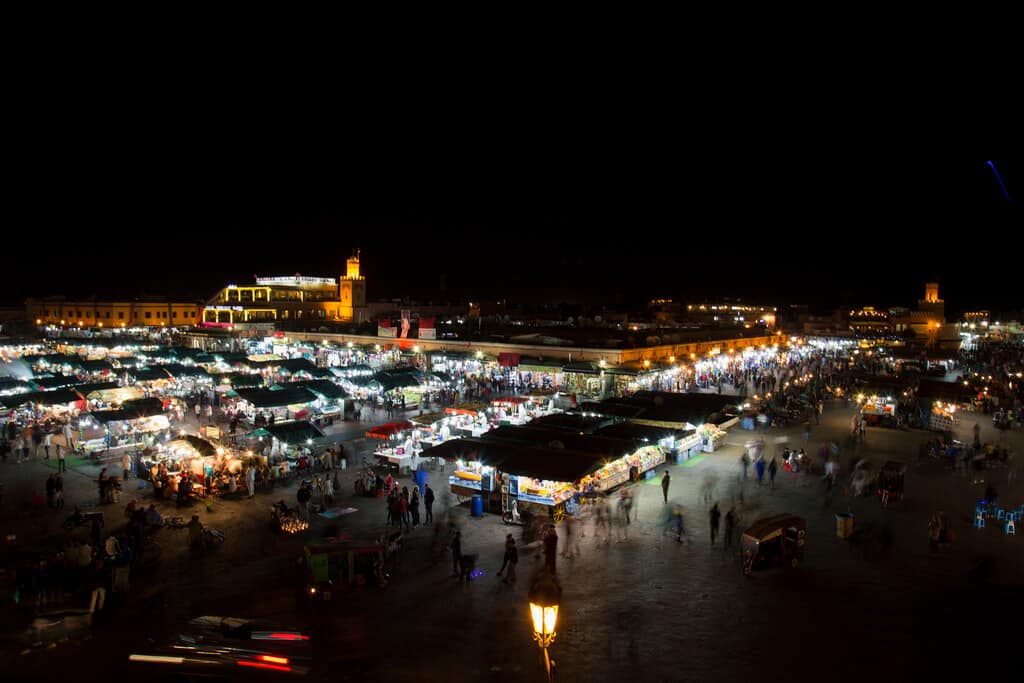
(509, 542)
(773, 467)
(664, 486)
(512, 553)
(550, 548)
(759, 469)
(61, 463)
(50, 489)
(47, 442)
(730, 525)
(414, 506)
(126, 465)
(715, 515)
(302, 496)
(456, 546)
(250, 481)
(428, 504)
(58, 492)
(744, 464)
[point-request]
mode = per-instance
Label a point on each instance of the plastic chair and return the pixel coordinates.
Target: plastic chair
(979, 522)
(1000, 513)
(1011, 528)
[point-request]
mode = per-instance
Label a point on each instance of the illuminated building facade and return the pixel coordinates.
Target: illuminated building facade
(112, 314)
(291, 298)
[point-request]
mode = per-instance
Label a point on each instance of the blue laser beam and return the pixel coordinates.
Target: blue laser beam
(999, 179)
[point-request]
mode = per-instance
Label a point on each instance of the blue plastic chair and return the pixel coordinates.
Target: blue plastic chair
(979, 522)
(1000, 513)
(1011, 528)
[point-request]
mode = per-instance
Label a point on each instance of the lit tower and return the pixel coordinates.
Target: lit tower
(352, 288)
(931, 304)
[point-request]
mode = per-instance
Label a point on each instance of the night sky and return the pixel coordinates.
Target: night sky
(533, 206)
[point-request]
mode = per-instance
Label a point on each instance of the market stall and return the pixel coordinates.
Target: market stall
(877, 409)
(470, 419)
(283, 404)
(138, 423)
(331, 406)
(396, 446)
(712, 438)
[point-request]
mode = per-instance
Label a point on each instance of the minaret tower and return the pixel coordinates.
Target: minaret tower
(351, 288)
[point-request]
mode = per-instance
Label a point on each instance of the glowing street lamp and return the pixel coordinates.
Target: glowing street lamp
(544, 597)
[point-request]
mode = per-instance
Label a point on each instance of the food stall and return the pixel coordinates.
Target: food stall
(618, 471)
(512, 410)
(943, 417)
(432, 429)
(290, 437)
(283, 404)
(712, 438)
(877, 409)
(544, 480)
(138, 423)
(468, 419)
(396, 446)
(331, 407)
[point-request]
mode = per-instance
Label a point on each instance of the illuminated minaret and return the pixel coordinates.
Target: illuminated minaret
(351, 288)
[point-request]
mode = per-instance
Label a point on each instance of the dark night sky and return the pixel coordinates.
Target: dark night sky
(775, 203)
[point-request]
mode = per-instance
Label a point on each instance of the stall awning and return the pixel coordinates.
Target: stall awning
(386, 431)
(644, 434)
(577, 423)
(266, 398)
(115, 394)
(582, 368)
(179, 371)
(548, 368)
(96, 366)
(397, 379)
(428, 419)
(45, 398)
(509, 401)
(295, 432)
(148, 374)
(604, 446)
(201, 445)
(294, 366)
(551, 464)
(240, 379)
(321, 387)
(466, 409)
(84, 390)
(58, 359)
(131, 410)
(56, 381)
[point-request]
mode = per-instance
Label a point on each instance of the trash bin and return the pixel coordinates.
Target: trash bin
(844, 524)
(476, 506)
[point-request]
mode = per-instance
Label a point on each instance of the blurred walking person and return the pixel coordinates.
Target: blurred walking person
(773, 467)
(714, 517)
(730, 525)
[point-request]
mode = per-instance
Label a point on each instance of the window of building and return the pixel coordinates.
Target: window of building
(88, 314)
(120, 315)
(174, 314)
(108, 315)
(148, 314)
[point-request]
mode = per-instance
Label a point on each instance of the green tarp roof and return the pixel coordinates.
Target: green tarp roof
(266, 398)
(296, 432)
(321, 387)
(47, 398)
(131, 410)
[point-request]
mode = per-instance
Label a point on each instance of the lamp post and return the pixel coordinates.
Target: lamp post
(544, 597)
